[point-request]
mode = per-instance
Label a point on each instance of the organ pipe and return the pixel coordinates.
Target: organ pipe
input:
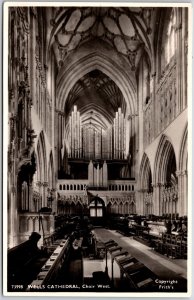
(91, 143)
(119, 131)
(114, 137)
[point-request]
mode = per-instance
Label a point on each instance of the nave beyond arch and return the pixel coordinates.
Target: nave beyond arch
(98, 125)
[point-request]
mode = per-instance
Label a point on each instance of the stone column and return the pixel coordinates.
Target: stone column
(182, 204)
(14, 224)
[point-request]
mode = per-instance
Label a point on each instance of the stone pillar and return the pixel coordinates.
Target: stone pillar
(13, 236)
(182, 205)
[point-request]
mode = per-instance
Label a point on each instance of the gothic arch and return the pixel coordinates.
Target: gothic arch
(145, 178)
(165, 161)
(95, 60)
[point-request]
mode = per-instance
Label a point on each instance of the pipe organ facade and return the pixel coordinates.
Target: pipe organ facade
(94, 142)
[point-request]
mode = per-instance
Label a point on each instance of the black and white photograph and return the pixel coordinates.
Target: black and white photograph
(96, 149)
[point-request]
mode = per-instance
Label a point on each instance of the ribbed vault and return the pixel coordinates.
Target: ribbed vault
(68, 78)
(96, 89)
(126, 29)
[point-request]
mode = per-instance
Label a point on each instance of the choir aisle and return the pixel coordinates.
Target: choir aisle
(85, 272)
(161, 265)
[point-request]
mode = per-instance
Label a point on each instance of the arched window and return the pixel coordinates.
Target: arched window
(169, 41)
(96, 207)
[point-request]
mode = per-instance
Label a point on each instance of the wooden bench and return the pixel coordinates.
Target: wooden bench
(125, 271)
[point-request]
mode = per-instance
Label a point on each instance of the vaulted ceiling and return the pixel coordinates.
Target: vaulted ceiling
(96, 90)
(126, 30)
(124, 33)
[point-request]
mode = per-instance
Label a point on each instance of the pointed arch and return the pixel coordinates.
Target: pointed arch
(165, 161)
(145, 178)
(95, 60)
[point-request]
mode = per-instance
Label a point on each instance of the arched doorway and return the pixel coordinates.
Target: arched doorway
(97, 211)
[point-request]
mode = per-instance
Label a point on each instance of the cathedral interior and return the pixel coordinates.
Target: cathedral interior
(97, 148)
